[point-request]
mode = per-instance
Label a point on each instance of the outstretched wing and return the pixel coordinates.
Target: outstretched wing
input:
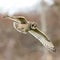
(18, 19)
(42, 38)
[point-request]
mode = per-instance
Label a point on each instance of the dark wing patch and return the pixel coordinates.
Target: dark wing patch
(22, 20)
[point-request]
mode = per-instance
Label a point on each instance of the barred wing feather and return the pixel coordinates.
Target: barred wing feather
(42, 38)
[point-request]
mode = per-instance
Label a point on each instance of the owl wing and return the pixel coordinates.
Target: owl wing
(42, 38)
(18, 19)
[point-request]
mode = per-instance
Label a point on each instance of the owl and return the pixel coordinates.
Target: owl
(21, 24)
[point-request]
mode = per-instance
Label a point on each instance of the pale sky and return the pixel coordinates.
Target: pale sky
(12, 6)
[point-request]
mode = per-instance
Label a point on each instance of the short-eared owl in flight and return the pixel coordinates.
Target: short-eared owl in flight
(24, 26)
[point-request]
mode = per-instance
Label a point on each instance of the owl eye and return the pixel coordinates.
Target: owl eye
(33, 25)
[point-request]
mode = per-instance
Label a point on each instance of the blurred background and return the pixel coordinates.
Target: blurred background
(18, 46)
